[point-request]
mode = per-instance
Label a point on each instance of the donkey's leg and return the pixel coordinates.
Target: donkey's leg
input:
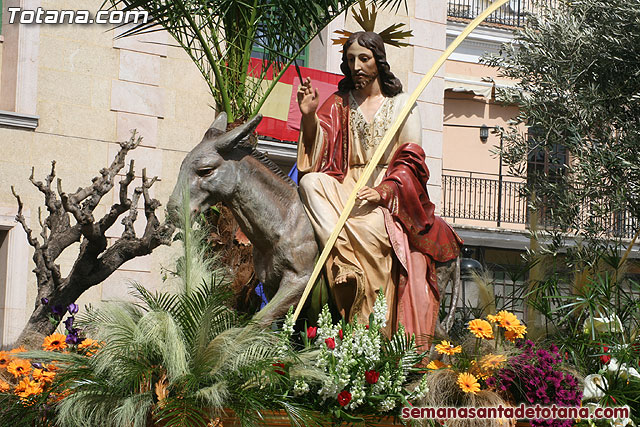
(289, 292)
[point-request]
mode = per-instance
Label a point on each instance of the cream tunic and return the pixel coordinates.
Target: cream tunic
(363, 246)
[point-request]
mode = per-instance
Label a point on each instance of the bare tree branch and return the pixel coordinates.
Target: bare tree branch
(96, 260)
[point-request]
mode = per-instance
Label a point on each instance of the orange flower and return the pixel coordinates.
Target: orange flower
(445, 347)
(90, 346)
(517, 332)
(492, 361)
(493, 318)
(87, 343)
(468, 383)
(4, 386)
(4, 359)
(54, 342)
(481, 329)
(20, 349)
(436, 364)
(26, 388)
(43, 376)
(508, 320)
(19, 367)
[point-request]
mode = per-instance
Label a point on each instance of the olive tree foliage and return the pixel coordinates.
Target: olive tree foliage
(578, 68)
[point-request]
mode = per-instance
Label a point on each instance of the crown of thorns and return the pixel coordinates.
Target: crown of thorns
(367, 20)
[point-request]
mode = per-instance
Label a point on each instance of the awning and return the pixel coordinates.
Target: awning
(480, 86)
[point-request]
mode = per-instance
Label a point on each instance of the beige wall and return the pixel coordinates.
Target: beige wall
(91, 90)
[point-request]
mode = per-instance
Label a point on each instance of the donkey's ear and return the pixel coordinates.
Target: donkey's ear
(220, 123)
(230, 139)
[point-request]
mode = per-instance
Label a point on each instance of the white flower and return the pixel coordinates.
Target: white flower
(380, 311)
(622, 422)
(300, 387)
(603, 324)
(387, 404)
(622, 370)
(594, 386)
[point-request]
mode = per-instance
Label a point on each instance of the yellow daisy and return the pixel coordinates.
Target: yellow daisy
(468, 383)
(493, 318)
(481, 329)
(4, 386)
(445, 347)
(516, 332)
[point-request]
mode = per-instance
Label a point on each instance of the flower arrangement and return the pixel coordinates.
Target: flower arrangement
(463, 374)
(366, 373)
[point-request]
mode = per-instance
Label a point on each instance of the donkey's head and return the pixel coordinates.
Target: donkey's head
(209, 171)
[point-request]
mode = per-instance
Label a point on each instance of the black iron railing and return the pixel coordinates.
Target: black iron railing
(499, 200)
(485, 199)
(512, 14)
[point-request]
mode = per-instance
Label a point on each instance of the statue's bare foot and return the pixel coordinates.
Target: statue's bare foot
(345, 278)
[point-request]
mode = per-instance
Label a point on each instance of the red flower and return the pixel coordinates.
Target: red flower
(341, 334)
(312, 331)
(371, 376)
(636, 347)
(605, 358)
(344, 397)
(279, 365)
(367, 327)
(331, 344)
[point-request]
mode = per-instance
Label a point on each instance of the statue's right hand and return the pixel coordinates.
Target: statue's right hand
(308, 98)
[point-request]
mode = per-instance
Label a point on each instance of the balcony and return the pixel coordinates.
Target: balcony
(495, 201)
(512, 14)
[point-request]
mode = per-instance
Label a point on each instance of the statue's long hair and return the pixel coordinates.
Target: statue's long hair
(390, 85)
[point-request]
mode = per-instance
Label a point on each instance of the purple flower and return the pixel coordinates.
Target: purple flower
(58, 310)
(73, 308)
(72, 337)
(37, 365)
(44, 301)
(69, 323)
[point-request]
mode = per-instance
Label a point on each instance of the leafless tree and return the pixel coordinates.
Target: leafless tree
(71, 219)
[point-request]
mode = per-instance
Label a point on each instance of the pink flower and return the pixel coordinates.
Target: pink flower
(312, 331)
(344, 397)
(372, 376)
(331, 344)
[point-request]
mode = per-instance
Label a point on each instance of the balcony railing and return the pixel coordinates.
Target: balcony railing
(484, 199)
(498, 200)
(512, 14)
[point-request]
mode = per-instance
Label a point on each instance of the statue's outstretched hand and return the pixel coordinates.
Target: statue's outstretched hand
(369, 194)
(308, 98)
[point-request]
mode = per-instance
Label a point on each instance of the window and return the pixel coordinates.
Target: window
(547, 165)
(18, 95)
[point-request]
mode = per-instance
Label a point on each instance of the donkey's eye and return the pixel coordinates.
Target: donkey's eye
(204, 172)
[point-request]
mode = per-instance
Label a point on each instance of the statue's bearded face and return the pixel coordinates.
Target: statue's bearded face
(362, 64)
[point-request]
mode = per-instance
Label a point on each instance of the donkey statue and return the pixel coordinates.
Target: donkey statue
(223, 167)
(266, 204)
